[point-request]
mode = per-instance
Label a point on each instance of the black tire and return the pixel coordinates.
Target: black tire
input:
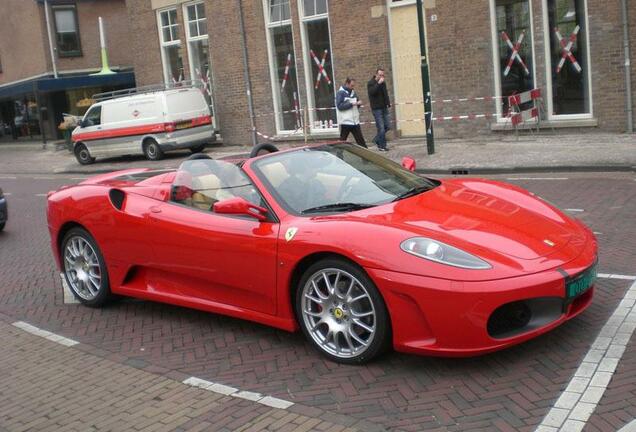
(262, 149)
(82, 155)
(382, 337)
(103, 294)
(197, 149)
(152, 151)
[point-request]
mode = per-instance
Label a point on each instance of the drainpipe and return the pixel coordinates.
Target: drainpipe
(628, 70)
(246, 74)
(48, 36)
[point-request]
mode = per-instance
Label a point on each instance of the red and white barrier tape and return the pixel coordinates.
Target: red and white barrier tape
(321, 68)
(525, 97)
(286, 73)
(515, 52)
(566, 49)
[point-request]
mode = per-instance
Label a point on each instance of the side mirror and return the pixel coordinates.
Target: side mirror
(83, 123)
(240, 206)
(408, 163)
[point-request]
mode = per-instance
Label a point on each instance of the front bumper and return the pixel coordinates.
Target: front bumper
(447, 318)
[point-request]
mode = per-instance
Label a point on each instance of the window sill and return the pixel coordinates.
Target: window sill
(300, 137)
(547, 124)
(68, 55)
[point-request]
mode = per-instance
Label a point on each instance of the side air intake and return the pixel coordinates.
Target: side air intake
(117, 198)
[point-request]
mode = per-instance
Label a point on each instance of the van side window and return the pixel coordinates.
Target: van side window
(94, 116)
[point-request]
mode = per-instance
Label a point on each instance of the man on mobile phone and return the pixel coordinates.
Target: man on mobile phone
(348, 104)
(380, 104)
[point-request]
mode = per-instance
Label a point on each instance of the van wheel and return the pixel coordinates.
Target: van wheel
(152, 150)
(82, 155)
(197, 149)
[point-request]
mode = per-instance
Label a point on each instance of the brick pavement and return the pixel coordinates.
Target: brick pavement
(509, 390)
(46, 386)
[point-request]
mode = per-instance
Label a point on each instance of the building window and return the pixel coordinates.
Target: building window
(198, 49)
(568, 57)
(171, 51)
(282, 62)
(513, 41)
(318, 63)
(66, 31)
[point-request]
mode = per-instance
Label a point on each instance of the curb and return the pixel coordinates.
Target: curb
(460, 171)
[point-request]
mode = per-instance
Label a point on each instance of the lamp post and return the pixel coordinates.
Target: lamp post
(426, 82)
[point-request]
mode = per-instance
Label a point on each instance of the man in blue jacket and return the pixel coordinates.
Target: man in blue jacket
(347, 105)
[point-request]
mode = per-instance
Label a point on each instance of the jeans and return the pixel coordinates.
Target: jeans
(383, 125)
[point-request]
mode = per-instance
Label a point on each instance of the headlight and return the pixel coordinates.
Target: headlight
(442, 253)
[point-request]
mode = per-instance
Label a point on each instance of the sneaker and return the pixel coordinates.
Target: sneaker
(383, 149)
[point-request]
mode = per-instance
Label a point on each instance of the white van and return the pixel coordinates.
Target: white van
(151, 123)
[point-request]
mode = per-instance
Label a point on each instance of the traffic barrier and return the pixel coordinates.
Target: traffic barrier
(515, 102)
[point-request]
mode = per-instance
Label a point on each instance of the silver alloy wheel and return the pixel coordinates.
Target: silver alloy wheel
(82, 269)
(84, 155)
(338, 313)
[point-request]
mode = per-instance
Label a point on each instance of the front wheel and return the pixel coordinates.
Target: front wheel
(152, 151)
(341, 312)
(84, 268)
(82, 155)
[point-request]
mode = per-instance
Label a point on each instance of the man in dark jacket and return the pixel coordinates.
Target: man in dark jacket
(380, 104)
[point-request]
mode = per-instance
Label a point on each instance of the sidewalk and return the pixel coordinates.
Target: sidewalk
(47, 386)
(492, 153)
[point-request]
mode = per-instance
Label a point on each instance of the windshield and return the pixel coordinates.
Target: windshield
(337, 178)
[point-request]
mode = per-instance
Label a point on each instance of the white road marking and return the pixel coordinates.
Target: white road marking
(234, 392)
(630, 427)
(579, 400)
(537, 178)
(8, 178)
(41, 195)
(7, 193)
(575, 210)
(45, 334)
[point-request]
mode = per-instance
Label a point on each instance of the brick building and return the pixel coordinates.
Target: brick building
(468, 55)
(31, 98)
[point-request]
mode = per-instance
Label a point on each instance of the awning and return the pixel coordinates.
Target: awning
(48, 84)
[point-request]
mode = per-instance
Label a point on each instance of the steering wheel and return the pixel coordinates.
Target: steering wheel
(266, 147)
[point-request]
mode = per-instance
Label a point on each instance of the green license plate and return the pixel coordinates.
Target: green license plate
(581, 283)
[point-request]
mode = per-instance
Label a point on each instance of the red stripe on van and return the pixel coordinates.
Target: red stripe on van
(138, 130)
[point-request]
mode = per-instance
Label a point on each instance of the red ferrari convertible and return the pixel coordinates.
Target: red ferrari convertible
(350, 247)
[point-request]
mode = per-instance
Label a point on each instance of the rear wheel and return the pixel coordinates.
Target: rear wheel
(82, 155)
(152, 151)
(84, 268)
(341, 312)
(197, 149)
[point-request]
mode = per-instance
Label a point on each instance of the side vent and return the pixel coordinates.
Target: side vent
(117, 198)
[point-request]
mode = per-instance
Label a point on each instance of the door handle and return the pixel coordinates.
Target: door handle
(155, 209)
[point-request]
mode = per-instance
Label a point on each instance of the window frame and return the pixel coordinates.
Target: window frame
(91, 109)
(163, 44)
(307, 63)
(189, 40)
(495, 58)
(66, 54)
(548, 68)
(276, 100)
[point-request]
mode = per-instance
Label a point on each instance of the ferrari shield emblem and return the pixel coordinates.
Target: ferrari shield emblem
(291, 232)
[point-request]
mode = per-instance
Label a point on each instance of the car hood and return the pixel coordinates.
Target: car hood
(480, 215)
